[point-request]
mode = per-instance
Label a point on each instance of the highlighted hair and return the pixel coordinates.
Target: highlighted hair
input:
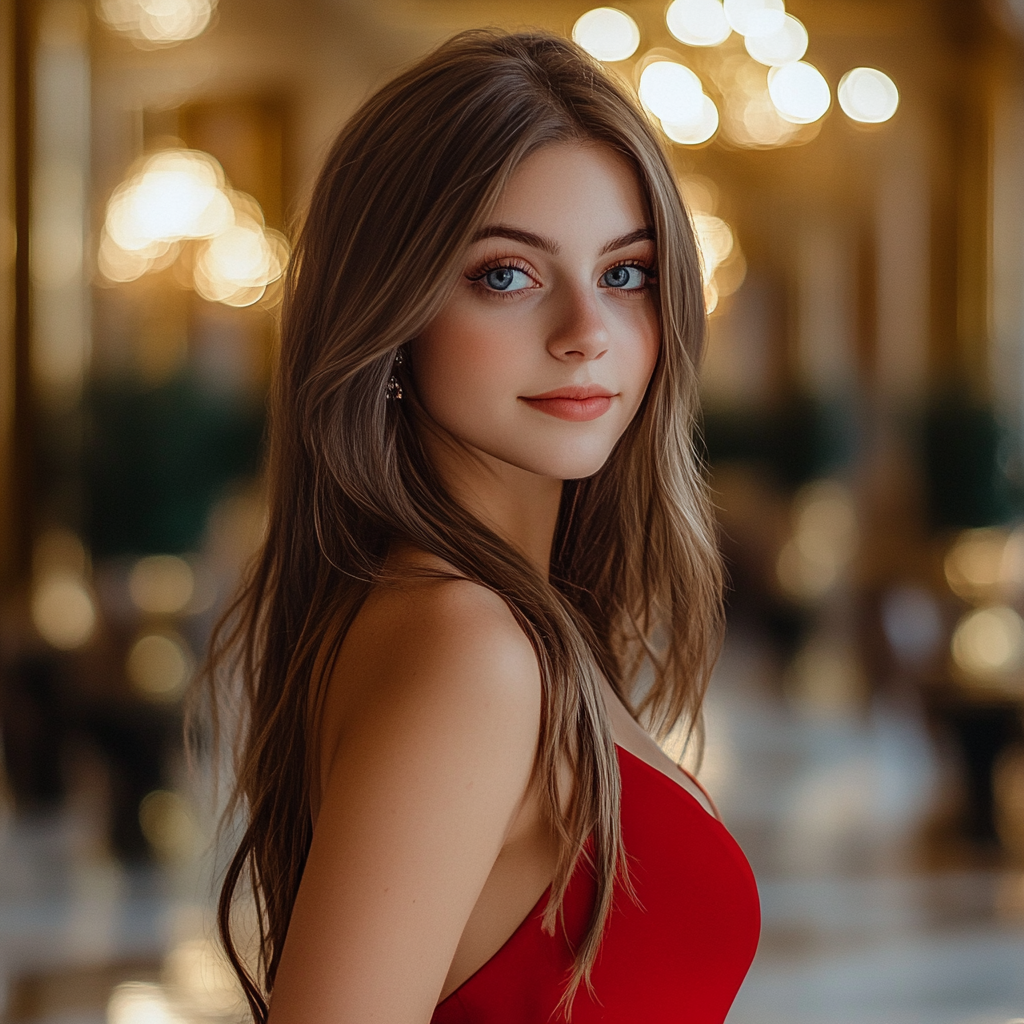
(636, 579)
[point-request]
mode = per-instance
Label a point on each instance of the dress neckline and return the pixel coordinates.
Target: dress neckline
(546, 894)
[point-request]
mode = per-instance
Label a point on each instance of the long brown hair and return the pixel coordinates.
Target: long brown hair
(636, 577)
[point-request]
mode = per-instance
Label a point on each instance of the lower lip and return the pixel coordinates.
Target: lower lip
(578, 410)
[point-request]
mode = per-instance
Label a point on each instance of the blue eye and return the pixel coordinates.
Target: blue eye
(507, 279)
(626, 278)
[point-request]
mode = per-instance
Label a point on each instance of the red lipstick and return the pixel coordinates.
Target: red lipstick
(578, 404)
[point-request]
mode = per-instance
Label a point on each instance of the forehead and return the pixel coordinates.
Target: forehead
(578, 188)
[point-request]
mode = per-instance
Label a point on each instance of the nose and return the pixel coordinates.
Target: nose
(579, 331)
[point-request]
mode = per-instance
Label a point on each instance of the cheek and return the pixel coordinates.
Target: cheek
(460, 355)
(647, 347)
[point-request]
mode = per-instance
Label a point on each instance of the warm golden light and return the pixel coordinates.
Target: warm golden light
(755, 17)
(157, 22)
(974, 564)
(1012, 569)
(607, 34)
(722, 264)
(749, 118)
(697, 131)
(236, 266)
(672, 92)
(199, 971)
(786, 44)
(699, 193)
(710, 297)
(159, 666)
(62, 610)
(989, 641)
(799, 91)
(714, 239)
(823, 542)
(698, 22)
(868, 95)
(140, 1002)
(180, 196)
(161, 584)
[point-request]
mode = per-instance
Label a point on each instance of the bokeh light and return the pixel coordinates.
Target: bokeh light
(799, 92)
(672, 92)
(150, 23)
(63, 611)
(198, 971)
(786, 44)
(699, 193)
(180, 196)
(607, 34)
(159, 666)
(697, 131)
(698, 22)
(974, 564)
(161, 584)
(749, 118)
(989, 642)
(168, 825)
(868, 95)
(755, 17)
(236, 266)
(823, 542)
(714, 239)
(723, 266)
(140, 1002)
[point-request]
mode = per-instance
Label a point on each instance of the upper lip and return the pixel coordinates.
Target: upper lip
(575, 392)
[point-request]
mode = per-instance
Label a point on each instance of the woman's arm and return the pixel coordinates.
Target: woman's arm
(431, 758)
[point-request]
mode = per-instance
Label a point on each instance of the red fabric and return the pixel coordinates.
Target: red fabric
(677, 956)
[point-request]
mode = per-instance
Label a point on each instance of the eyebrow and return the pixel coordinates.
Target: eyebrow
(548, 245)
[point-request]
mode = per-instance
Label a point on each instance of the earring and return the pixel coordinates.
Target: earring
(393, 388)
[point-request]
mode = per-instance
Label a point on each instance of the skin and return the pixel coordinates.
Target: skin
(430, 845)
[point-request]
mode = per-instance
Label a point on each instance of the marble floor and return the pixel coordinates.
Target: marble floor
(828, 807)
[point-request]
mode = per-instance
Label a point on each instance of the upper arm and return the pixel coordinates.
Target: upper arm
(434, 754)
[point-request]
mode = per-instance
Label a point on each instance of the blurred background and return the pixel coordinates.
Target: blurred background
(855, 171)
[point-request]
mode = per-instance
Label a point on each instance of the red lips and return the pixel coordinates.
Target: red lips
(577, 403)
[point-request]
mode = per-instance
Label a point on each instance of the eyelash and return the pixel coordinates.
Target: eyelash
(650, 277)
(497, 264)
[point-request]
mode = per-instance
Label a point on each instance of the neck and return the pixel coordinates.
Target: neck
(519, 506)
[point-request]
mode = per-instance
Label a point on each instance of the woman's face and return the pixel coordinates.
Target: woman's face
(543, 353)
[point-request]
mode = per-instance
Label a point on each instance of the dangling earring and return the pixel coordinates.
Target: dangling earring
(393, 388)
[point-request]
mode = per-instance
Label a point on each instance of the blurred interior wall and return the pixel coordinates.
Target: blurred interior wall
(8, 249)
(901, 289)
(1007, 219)
(60, 183)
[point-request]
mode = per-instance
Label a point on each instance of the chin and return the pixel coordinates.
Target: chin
(575, 464)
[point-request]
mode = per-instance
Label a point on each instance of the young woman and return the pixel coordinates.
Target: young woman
(489, 577)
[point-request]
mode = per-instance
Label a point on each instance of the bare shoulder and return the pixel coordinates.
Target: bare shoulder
(438, 656)
(457, 625)
(428, 737)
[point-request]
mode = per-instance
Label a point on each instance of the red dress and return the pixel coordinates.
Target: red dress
(677, 956)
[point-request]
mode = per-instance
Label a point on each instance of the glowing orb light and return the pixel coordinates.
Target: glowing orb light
(698, 22)
(697, 131)
(755, 17)
(799, 92)
(868, 96)
(607, 34)
(786, 44)
(672, 92)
